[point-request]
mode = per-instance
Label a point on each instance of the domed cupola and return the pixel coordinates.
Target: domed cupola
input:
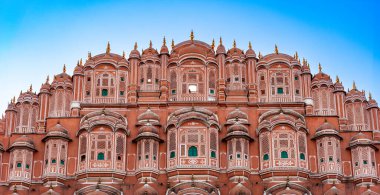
(305, 66)
(134, 53)
(78, 70)
(12, 105)
(361, 139)
(28, 96)
(148, 124)
(23, 142)
(107, 57)
(371, 102)
(355, 94)
(237, 115)
(326, 129)
(220, 49)
(59, 132)
(235, 52)
(62, 80)
(150, 52)
(338, 86)
(164, 48)
(250, 53)
(321, 77)
(45, 87)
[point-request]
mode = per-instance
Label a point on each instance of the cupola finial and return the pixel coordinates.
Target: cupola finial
(249, 45)
(192, 35)
(135, 47)
(150, 44)
(369, 95)
(234, 44)
(164, 42)
(213, 44)
(337, 79)
(172, 43)
(80, 62)
(296, 55)
(64, 68)
(108, 50)
(30, 88)
(354, 85)
(319, 67)
(123, 54)
(276, 49)
(220, 41)
(88, 55)
(47, 79)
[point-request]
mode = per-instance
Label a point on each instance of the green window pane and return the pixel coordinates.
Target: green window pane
(146, 156)
(302, 156)
(266, 157)
(100, 156)
(172, 154)
(330, 158)
(19, 165)
(213, 154)
(238, 156)
(365, 162)
(284, 154)
(173, 91)
(104, 92)
(53, 161)
(193, 151)
(62, 162)
(280, 90)
(212, 91)
(27, 166)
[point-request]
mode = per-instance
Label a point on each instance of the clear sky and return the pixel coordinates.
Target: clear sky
(38, 37)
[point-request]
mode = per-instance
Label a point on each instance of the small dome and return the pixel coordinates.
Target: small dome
(134, 53)
(164, 50)
(321, 77)
(220, 49)
(63, 77)
(235, 52)
(148, 129)
(149, 52)
(23, 141)
(237, 113)
(28, 96)
(78, 69)
(58, 131)
(250, 53)
(148, 115)
(360, 136)
(237, 127)
(325, 126)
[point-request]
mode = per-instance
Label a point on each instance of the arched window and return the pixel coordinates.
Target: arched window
(100, 156)
(284, 154)
(213, 154)
(193, 151)
(302, 156)
(172, 154)
(266, 157)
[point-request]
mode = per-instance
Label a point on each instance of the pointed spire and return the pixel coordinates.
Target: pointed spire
(354, 85)
(213, 44)
(234, 44)
(30, 88)
(14, 99)
(369, 95)
(192, 35)
(220, 41)
(150, 44)
(337, 79)
(260, 56)
(89, 55)
(304, 62)
(249, 45)
(80, 62)
(47, 79)
(64, 68)
(296, 55)
(108, 50)
(123, 54)
(164, 42)
(276, 49)
(172, 43)
(319, 67)
(135, 47)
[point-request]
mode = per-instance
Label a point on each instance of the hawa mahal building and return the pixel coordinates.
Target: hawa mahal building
(198, 119)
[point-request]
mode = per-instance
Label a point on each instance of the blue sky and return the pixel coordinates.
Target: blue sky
(37, 38)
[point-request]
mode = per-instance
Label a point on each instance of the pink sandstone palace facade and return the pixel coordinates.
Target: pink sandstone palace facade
(200, 119)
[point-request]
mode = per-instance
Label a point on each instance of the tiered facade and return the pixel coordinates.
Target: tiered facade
(195, 120)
